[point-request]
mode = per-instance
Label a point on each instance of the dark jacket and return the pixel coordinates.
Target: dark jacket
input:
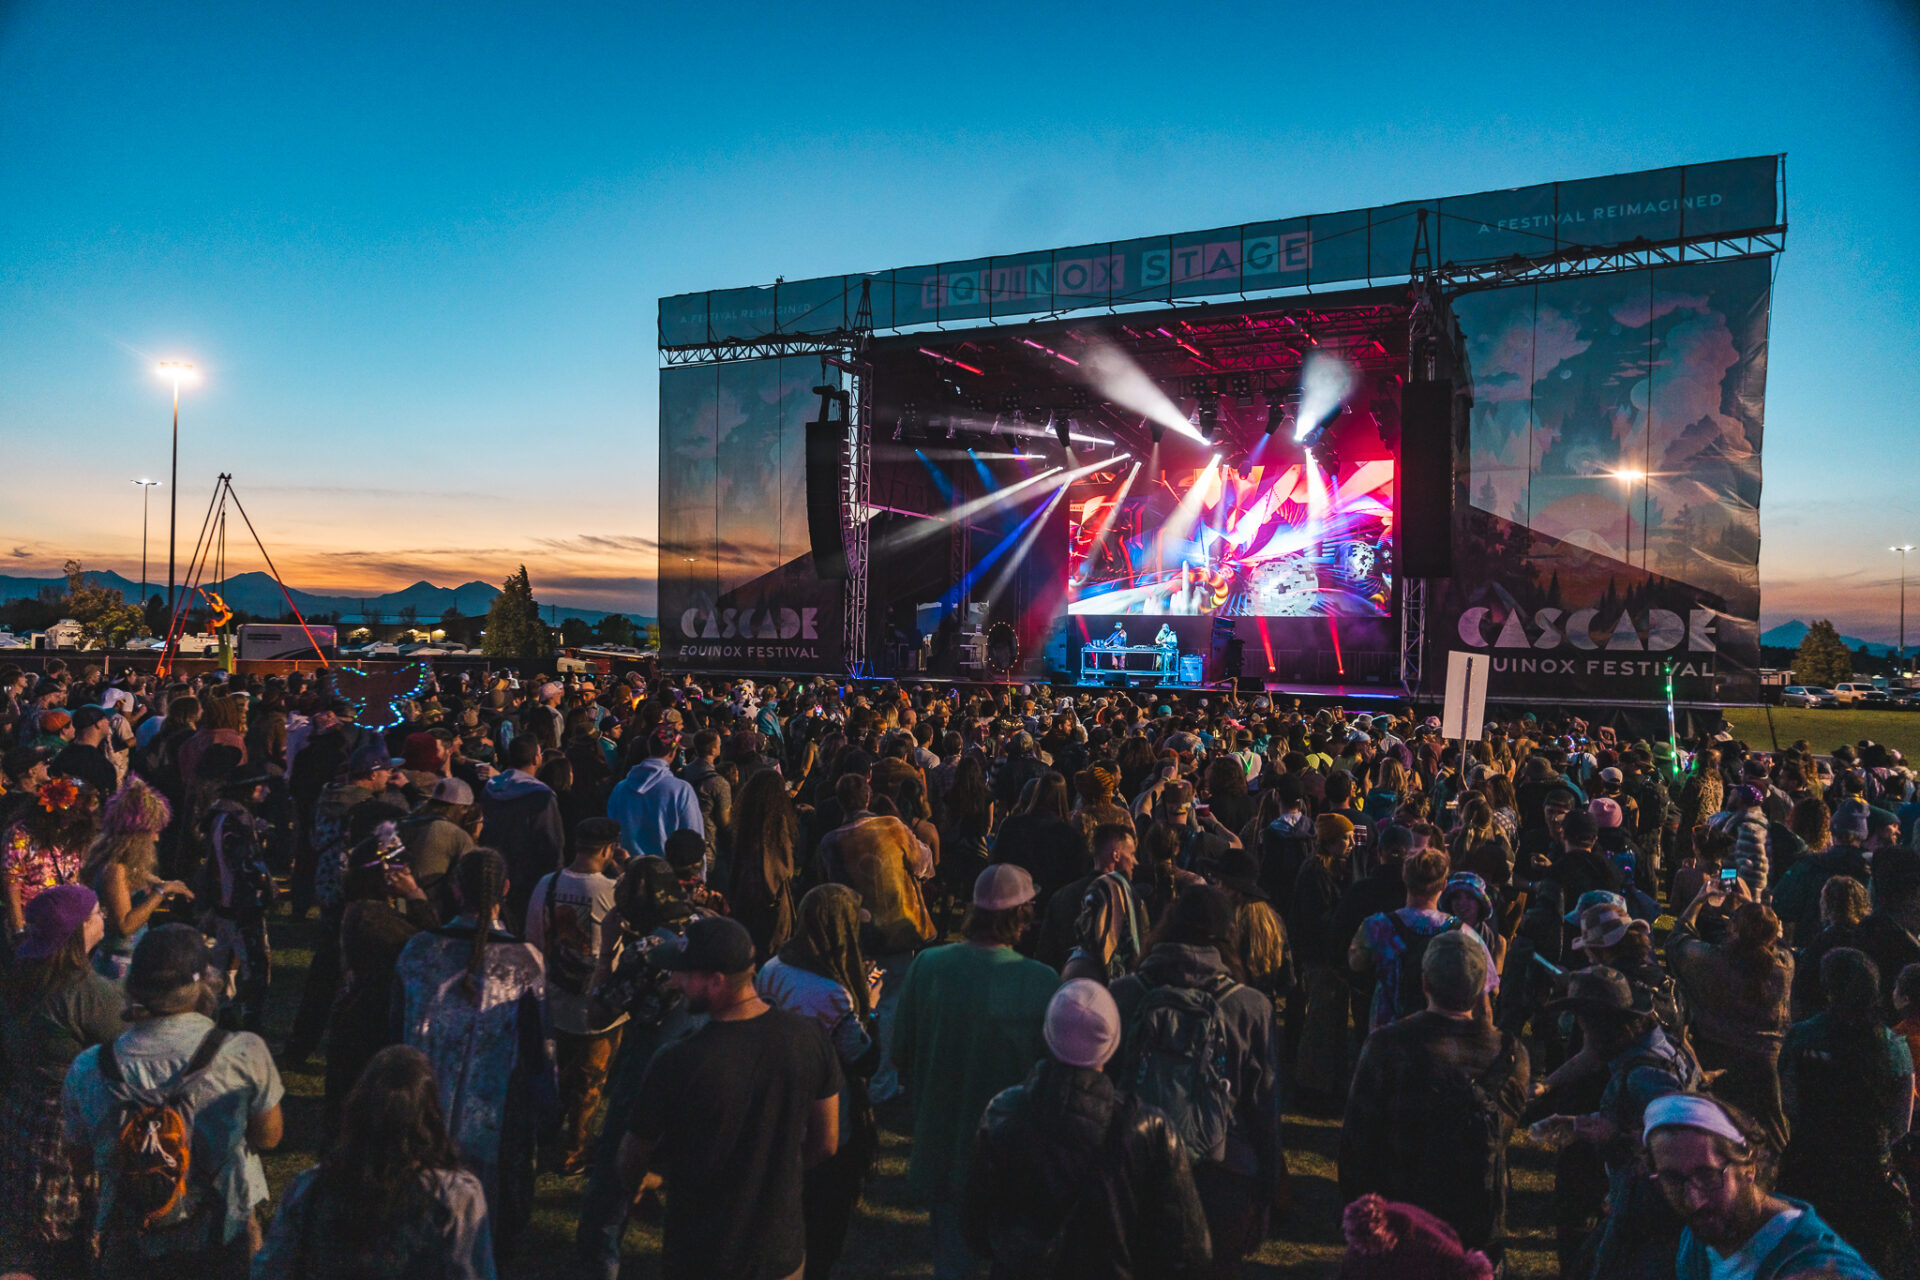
(523, 822)
(1253, 1053)
(1394, 1141)
(715, 796)
(1065, 1164)
(1316, 894)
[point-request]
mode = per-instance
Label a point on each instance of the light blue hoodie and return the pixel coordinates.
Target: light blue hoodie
(651, 804)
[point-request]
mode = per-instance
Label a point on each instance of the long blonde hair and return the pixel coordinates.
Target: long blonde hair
(1263, 944)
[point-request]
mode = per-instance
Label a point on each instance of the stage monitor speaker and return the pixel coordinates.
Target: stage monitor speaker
(825, 440)
(1426, 480)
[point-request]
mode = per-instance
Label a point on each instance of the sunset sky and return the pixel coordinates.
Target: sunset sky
(417, 250)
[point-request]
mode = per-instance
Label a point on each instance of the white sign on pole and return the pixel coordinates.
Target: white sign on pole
(1466, 709)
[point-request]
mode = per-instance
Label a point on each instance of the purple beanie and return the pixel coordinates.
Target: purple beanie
(52, 917)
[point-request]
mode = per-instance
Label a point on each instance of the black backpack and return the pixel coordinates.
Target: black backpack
(1402, 977)
(1464, 1160)
(1180, 1064)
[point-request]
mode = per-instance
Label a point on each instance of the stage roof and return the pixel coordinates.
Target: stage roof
(1722, 198)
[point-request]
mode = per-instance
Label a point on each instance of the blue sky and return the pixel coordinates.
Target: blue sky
(417, 249)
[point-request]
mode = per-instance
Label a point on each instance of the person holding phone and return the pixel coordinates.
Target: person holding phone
(1737, 990)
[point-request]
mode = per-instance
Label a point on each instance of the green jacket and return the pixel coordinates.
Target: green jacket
(968, 1025)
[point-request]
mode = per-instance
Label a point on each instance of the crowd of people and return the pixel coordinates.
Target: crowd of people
(678, 938)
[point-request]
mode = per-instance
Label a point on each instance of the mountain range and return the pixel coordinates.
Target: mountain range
(257, 593)
(1788, 635)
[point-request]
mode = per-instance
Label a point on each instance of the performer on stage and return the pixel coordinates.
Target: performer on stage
(1169, 646)
(1118, 640)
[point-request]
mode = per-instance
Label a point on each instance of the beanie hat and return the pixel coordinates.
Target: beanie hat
(1404, 1242)
(1329, 825)
(1454, 968)
(1850, 819)
(1083, 1024)
(1606, 812)
(136, 809)
(1094, 785)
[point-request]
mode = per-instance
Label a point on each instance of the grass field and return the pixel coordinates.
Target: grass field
(1826, 729)
(889, 1236)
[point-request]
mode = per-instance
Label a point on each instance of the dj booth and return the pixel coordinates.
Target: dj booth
(1099, 662)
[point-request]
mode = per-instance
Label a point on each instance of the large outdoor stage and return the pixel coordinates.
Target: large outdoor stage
(1313, 454)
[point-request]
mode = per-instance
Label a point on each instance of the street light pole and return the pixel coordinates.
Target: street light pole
(146, 492)
(1903, 603)
(178, 371)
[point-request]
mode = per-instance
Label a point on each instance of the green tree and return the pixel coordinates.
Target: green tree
(652, 636)
(615, 628)
(514, 629)
(575, 633)
(1822, 659)
(105, 618)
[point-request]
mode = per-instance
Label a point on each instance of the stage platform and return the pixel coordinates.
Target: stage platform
(1316, 694)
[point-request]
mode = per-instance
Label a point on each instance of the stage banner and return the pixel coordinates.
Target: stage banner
(1726, 197)
(738, 591)
(1608, 519)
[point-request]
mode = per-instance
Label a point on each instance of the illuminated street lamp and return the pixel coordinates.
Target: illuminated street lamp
(1629, 476)
(181, 372)
(146, 491)
(1903, 603)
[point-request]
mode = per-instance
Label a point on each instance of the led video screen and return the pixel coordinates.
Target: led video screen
(1281, 540)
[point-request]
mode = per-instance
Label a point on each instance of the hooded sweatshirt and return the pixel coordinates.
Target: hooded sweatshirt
(651, 804)
(522, 818)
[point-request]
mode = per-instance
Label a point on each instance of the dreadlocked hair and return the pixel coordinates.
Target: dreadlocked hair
(481, 877)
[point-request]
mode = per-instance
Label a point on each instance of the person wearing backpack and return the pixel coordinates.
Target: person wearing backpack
(1071, 1176)
(172, 1114)
(1201, 1048)
(1388, 946)
(565, 917)
(1435, 1097)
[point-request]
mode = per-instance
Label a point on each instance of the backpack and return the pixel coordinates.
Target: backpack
(1405, 994)
(1024, 1254)
(1465, 1143)
(1180, 1064)
(154, 1179)
(566, 969)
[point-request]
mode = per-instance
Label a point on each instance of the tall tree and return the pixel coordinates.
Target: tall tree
(575, 633)
(514, 629)
(105, 618)
(615, 628)
(1822, 658)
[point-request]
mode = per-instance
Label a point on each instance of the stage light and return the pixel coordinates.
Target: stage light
(953, 426)
(1206, 413)
(1325, 383)
(899, 430)
(1158, 430)
(1629, 475)
(182, 373)
(1061, 427)
(1276, 415)
(1242, 390)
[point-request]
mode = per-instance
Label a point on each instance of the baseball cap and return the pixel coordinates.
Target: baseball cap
(87, 717)
(1002, 886)
(167, 959)
(1455, 968)
(685, 848)
(1611, 774)
(452, 791)
(20, 760)
(713, 944)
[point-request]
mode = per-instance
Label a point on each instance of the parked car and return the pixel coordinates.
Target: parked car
(1807, 695)
(1858, 693)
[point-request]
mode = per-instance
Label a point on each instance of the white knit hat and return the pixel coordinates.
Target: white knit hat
(1083, 1024)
